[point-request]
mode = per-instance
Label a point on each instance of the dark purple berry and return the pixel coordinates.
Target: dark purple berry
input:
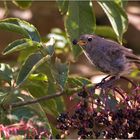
(57, 136)
(98, 100)
(36, 137)
(61, 119)
(89, 124)
(74, 42)
(97, 134)
(87, 119)
(103, 133)
(81, 117)
(64, 115)
(74, 116)
(83, 137)
(81, 131)
(94, 114)
(89, 134)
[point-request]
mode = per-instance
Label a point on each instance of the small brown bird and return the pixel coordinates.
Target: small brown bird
(108, 56)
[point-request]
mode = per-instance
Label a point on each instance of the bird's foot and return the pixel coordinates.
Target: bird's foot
(102, 81)
(107, 83)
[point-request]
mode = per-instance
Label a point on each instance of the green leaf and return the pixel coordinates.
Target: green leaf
(20, 44)
(30, 110)
(24, 54)
(3, 93)
(61, 107)
(52, 106)
(60, 72)
(52, 86)
(105, 31)
(38, 77)
(20, 26)
(117, 17)
(22, 3)
(16, 96)
(50, 50)
(6, 73)
(78, 81)
(63, 6)
(39, 89)
(30, 65)
(60, 75)
(51, 81)
(79, 20)
(122, 3)
(25, 112)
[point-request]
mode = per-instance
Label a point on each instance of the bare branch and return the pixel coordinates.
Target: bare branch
(18, 104)
(47, 97)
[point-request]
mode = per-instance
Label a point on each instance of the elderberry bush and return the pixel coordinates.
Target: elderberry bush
(112, 113)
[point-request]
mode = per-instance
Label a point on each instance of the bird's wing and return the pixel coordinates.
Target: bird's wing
(129, 54)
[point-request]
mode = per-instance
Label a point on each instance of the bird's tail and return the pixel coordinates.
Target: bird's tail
(134, 59)
(136, 63)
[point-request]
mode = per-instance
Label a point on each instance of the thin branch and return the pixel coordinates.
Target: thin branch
(128, 80)
(68, 92)
(18, 104)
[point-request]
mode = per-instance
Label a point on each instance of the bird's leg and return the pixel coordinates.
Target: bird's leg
(110, 82)
(102, 81)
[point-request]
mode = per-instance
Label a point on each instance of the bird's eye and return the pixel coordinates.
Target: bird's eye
(89, 39)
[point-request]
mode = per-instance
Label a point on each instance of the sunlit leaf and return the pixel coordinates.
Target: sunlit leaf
(105, 31)
(122, 3)
(20, 44)
(117, 17)
(22, 3)
(63, 6)
(20, 26)
(30, 65)
(79, 20)
(25, 53)
(38, 77)
(78, 81)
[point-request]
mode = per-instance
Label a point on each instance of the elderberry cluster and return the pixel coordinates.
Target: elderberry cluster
(92, 119)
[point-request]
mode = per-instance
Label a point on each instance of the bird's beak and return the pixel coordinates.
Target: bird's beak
(82, 43)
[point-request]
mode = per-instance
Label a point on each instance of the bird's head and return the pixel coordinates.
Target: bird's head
(86, 41)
